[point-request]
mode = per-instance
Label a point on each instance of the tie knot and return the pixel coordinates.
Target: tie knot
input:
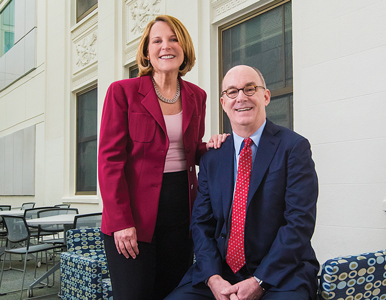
(248, 142)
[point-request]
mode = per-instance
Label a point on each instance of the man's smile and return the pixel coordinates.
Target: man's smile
(243, 109)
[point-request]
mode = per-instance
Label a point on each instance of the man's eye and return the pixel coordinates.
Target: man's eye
(232, 92)
(249, 89)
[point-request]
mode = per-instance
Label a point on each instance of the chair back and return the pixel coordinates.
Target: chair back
(88, 220)
(54, 212)
(32, 213)
(359, 276)
(27, 205)
(63, 205)
(5, 207)
(17, 229)
(57, 211)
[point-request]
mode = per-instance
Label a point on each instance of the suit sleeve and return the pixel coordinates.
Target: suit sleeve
(294, 236)
(203, 230)
(112, 158)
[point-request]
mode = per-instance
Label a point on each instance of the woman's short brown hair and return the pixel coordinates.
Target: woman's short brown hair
(184, 39)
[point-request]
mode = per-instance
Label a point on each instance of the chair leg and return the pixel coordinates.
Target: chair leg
(2, 270)
(25, 268)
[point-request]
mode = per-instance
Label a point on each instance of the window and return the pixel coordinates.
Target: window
(86, 143)
(133, 71)
(7, 28)
(84, 7)
(263, 40)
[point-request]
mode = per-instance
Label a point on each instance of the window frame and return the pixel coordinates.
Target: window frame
(244, 18)
(3, 7)
(76, 192)
(86, 13)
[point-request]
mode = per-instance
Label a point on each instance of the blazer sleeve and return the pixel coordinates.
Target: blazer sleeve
(293, 239)
(112, 158)
(201, 146)
(203, 226)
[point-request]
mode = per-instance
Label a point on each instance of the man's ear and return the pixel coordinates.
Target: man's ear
(267, 97)
(223, 103)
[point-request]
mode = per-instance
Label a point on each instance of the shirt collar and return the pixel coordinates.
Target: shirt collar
(238, 140)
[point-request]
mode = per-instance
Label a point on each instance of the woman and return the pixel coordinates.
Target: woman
(151, 138)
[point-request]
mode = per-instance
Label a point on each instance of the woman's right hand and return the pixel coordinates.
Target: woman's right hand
(126, 242)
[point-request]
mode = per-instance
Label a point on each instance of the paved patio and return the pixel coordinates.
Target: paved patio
(12, 281)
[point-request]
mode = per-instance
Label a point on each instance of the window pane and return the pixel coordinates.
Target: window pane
(84, 7)
(7, 28)
(86, 177)
(279, 111)
(133, 72)
(87, 117)
(86, 172)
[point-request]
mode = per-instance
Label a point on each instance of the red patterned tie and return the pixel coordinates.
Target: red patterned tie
(235, 254)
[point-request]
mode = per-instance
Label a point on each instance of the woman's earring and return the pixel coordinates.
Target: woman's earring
(148, 62)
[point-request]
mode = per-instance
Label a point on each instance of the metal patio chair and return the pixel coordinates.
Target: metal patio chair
(88, 220)
(20, 237)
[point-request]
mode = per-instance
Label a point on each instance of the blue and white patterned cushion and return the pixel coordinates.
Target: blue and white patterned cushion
(354, 277)
(83, 267)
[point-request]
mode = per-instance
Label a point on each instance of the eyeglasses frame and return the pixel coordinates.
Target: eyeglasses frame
(242, 89)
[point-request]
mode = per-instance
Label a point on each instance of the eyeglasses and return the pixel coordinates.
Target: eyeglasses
(248, 90)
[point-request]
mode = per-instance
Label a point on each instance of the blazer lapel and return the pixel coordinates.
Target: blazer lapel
(150, 101)
(188, 104)
(265, 153)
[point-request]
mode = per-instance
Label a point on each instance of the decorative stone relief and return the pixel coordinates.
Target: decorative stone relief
(86, 50)
(84, 47)
(224, 8)
(138, 15)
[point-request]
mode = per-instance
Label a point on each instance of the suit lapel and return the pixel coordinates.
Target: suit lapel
(150, 101)
(226, 163)
(187, 104)
(265, 153)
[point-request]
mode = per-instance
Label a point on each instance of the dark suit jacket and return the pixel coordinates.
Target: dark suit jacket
(132, 148)
(281, 211)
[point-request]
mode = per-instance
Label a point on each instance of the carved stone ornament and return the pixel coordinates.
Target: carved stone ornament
(138, 14)
(86, 50)
(223, 8)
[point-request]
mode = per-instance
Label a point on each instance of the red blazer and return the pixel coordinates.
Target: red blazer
(132, 149)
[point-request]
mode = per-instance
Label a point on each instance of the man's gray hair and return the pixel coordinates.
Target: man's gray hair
(260, 75)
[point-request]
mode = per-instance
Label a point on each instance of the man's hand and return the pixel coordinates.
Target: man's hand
(126, 242)
(248, 289)
(217, 284)
(216, 140)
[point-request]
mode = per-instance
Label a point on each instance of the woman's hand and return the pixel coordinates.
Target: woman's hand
(126, 242)
(216, 140)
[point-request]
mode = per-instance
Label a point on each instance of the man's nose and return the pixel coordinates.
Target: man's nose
(240, 96)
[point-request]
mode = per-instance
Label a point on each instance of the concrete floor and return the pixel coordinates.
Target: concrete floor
(12, 280)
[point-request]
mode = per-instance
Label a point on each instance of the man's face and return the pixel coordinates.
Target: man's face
(246, 113)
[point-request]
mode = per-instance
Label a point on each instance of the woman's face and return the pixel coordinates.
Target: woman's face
(165, 52)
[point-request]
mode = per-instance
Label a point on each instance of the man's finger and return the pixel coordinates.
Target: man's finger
(233, 289)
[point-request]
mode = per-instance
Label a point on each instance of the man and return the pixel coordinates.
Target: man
(255, 211)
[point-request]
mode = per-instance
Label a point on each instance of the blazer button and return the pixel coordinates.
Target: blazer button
(191, 187)
(188, 150)
(191, 168)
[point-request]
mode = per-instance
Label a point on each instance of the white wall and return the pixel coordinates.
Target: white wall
(339, 104)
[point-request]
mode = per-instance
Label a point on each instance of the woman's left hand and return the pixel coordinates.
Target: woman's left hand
(216, 141)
